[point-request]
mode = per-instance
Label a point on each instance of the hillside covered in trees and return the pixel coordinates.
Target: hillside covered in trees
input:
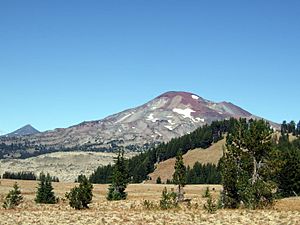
(143, 164)
(284, 157)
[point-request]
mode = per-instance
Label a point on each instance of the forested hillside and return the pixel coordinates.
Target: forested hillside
(143, 164)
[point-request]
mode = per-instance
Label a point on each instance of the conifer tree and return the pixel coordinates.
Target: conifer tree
(158, 180)
(13, 198)
(80, 197)
(120, 179)
(45, 192)
(298, 128)
(245, 165)
(179, 176)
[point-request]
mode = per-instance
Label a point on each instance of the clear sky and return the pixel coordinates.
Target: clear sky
(64, 62)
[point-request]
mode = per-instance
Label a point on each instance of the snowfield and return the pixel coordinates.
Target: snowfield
(185, 112)
(195, 97)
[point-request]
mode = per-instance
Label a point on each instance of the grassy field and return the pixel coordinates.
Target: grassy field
(131, 211)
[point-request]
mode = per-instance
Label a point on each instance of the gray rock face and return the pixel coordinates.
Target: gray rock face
(170, 115)
(26, 130)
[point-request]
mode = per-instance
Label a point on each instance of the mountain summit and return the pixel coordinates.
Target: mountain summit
(169, 115)
(26, 130)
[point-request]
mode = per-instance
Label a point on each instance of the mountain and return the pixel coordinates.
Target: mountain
(169, 115)
(26, 130)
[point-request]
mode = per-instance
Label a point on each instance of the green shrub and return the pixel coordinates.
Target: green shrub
(210, 206)
(13, 198)
(80, 197)
(149, 205)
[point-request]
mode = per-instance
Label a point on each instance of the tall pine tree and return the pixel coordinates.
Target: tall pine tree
(246, 165)
(120, 179)
(179, 176)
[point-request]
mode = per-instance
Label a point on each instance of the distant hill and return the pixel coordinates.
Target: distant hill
(26, 130)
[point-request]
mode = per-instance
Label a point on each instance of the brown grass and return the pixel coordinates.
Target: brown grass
(212, 154)
(131, 211)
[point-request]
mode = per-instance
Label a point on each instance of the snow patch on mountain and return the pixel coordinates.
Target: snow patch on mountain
(151, 118)
(198, 119)
(123, 118)
(169, 127)
(185, 112)
(195, 97)
(171, 122)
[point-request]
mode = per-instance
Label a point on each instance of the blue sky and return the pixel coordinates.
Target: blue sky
(64, 62)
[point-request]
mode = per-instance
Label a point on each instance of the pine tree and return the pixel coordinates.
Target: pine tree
(298, 128)
(179, 176)
(13, 198)
(80, 197)
(245, 165)
(45, 192)
(120, 179)
(289, 177)
(158, 180)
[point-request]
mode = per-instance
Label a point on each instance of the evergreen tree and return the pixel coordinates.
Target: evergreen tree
(245, 165)
(13, 198)
(45, 192)
(120, 179)
(284, 127)
(158, 180)
(289, 176)
(80, 197)
(179, 176)
(298, 128)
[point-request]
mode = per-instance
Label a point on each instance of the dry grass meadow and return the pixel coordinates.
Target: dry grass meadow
(132, 211)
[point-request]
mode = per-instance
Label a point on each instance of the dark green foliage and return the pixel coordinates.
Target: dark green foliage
(143, 164)
(102, 175)
(24, 176)
(298, 129)
(45, 192)
(158, 180)
(168, 200)
(291, 127)
(289, 176)
(80, 197)
(203, 174)
(179, 176)
(120, 179)
(169, 181)
(246, 165)
(13, 198)
(19, 175)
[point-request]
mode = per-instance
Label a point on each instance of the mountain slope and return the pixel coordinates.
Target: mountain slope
(165, 169)
(169, 115)
(26, 130)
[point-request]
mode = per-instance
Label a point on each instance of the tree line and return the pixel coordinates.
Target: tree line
(25, 176)
(203, 174)
(290, 127)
